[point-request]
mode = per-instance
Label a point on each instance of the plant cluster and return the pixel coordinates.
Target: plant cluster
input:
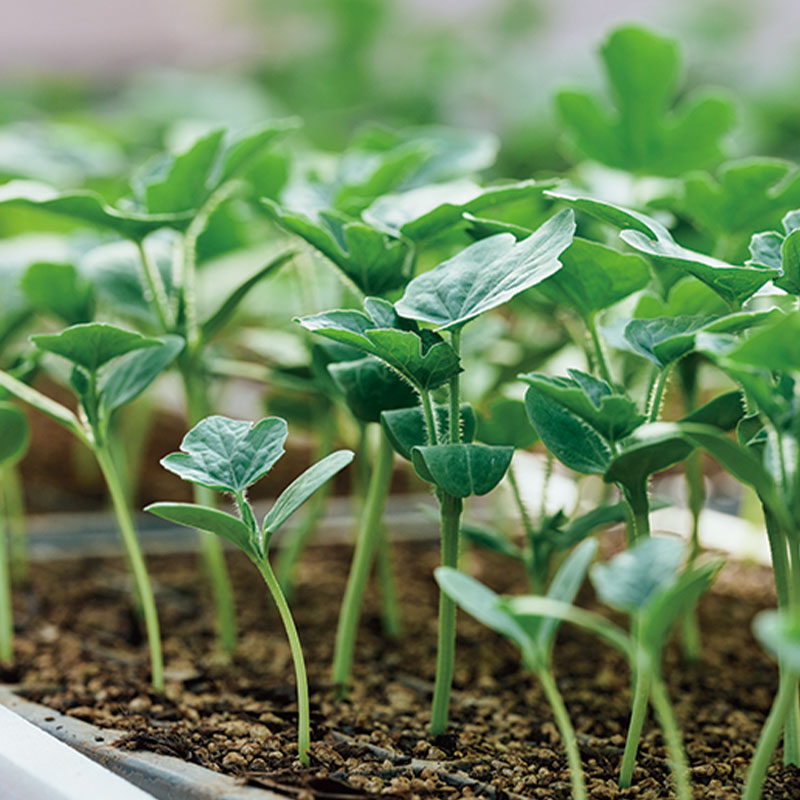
(676, 305)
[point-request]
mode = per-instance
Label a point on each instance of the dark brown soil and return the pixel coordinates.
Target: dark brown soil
(80, 651)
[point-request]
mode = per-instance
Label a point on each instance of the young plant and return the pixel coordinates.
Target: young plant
(228, 455)
(533, 635)
(14, 438)
(110, 367)
(647, 583)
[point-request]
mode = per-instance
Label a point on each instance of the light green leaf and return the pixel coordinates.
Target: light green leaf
(406, 427)
(210, 520)
(14, 434)
(687, 297)
(779, 634)
(462, 469)
(92, 344)
(486, 275)
(630, 580)
(643, 133)
(774, 347)
(228, 454)
(489, 539)
(58, 289)
(506, 423)
(301, 488)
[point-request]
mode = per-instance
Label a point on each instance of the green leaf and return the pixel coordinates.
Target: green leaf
(59, 290)
(243, 149)
(486, 275)
(611, 213)
(479, 601)
(370, 387)
(14, 434)
(375, 262)
(423, 212)
(406, 427)
(779, 634)
(776, 347)
(217, 321)
(462, 469)
(790, 263)
(734, 284)
(423, 358)
(129, 376)
(630, 580)
(489, 539)
(523, 608)
(88, 207)
(301, 488)
(641, 458)
(687, 297)
(611, 414)
(228, 454)
(210, 520)
(722, 412)
(92, 344)
(643, 133)
(564, 587)
(506, 423)
(581, 527)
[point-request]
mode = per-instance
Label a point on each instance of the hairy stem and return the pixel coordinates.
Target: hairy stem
(602, 363)
(369, 533)
(568, 737)
(141, 577)
(303, 712)
(656, 395)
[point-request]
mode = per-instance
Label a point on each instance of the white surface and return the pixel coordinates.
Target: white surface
(35, 766)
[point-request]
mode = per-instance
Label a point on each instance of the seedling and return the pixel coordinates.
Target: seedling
(111, 367)
(645, 582)
(14, 438)
(228, 455)
(533, 635)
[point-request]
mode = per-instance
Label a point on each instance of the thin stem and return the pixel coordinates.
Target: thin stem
(568, 737)
(639, 512)
(602, 363)
(770, 734)
(140, 576)
(654, 399)
(455, 393)
(155, 287)
(303, 712)
(523, 511)
(14, 501)
(6, 611)
(450, 511)
(672, 737)
(430, 417)
(369, 533)
(390, 607)
(641, 692)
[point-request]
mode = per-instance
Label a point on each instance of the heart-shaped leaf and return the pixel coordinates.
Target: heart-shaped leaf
(406, 427)
(462, 469)
(486, 275)
(210, 520)
(302, 487)
(228, 454)
(14, 433)
(370, 387)
(643, 133)
(734, 284)
(93, 344)
(58, 289)
(630, 580)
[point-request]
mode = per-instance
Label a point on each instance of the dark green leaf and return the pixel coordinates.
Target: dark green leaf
(406, 427)
(462, 469)
(228, 454)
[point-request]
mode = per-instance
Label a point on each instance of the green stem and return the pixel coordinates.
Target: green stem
(390, 607)
(654, 399)
(523, 511)
(303, 712)
(602, 363)
(450, 511)
(140, 576)
(6, 610)
(672, 737)
(369, 533)
(641, 693)
(770, 734)
(156, 288)
(455, 393)
(568, 737)
(430, 418)
(14, 500)
(639, 512)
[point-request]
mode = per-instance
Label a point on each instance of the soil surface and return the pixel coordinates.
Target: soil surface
(80, 650)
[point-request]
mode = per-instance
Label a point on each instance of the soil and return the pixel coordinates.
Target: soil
(80, 651)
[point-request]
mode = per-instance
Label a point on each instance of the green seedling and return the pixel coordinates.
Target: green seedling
(533, 635)
(14, 439)
(227, 455)
(647, 583)
(110, 367)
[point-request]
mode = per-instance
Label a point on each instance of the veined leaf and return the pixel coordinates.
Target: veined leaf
(14, 433)
(486, 275)
(228, 454)
(93, 344)
(462, 469)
